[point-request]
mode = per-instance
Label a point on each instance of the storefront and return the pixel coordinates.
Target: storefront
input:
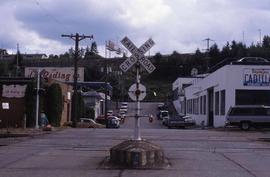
(210, 98)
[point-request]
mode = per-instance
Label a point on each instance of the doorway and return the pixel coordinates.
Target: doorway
(210, 93)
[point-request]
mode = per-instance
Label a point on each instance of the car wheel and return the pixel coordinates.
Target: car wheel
(245, 125)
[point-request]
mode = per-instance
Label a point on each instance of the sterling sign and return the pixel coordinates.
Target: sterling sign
(64, 74)
(137, 55)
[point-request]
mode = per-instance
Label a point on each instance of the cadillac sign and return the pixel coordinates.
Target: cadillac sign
(256, 77)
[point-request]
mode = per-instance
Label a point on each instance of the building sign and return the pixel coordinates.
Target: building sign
(64, 74)
(13, 91)
(5, 105)
(256, 77)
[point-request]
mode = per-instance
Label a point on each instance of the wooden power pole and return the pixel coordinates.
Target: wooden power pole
(76, 38)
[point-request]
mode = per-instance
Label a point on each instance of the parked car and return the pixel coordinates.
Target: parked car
(124, 107)
(248, 116)
(161, 114)
(180, 121)
(162, 106)
(164, 116)
(110, 112)
(89, 123)
(113, 122)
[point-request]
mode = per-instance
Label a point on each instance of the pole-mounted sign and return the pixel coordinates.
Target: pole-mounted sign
(137, 55)
(137, 91)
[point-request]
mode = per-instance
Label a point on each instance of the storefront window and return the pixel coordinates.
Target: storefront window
(222, 102)
(204, 104)
(252, 97)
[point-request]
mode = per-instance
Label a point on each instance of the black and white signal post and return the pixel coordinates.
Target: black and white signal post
(135, 153)
(137, 91)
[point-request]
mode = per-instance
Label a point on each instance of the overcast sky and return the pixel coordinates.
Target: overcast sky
(179, 25)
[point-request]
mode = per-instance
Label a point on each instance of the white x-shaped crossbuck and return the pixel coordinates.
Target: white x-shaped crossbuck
(137, 55)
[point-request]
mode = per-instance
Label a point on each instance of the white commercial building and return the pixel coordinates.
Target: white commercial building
(208, 99)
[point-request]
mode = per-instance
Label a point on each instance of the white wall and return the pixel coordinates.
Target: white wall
(229, 78)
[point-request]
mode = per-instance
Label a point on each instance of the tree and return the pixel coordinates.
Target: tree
(214, 55)
(15, 66)
(30, 102)
(3, 68)
(80, 106)
(54, 104)
(266, 42)
(87, 53)
(94, 50)
(157, 57)
(226, 51)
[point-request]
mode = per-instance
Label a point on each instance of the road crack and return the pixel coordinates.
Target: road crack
(238, 164)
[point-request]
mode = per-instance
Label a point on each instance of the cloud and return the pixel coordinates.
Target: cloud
(179, 25)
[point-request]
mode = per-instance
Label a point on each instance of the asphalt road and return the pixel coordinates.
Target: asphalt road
(145, 111)
(191, 153)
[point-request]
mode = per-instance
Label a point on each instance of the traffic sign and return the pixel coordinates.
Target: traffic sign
(137, 55)
(135, 93)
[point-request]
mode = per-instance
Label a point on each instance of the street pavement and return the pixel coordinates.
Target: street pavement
(191, 152)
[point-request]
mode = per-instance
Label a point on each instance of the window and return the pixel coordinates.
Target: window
(204, 104)
(201, 105)
(241, 111)
(252, 97)
(216, 103)
(222, 102)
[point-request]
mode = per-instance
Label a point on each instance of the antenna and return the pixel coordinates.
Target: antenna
(260, 36)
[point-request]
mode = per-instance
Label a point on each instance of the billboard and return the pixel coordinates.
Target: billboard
(64, 74)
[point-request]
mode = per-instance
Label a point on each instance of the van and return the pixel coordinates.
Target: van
(247, 116)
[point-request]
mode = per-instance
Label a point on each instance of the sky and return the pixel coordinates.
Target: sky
(174, 25)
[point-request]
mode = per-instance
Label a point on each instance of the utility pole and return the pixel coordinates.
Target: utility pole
(37, 100)
(207, 43)
(17, 60)
(207, 51)
(76, 38)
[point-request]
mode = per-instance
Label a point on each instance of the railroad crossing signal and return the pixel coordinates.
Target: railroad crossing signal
(137, 55)
(137, 94)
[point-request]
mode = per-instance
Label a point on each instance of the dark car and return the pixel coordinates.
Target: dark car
(180, 121)
(113, 122)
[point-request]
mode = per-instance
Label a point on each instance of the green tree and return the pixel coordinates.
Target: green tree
(94, 50)
(214, 55)
(16, 64)
(80, 105)
(87, 54)
(266, 42)
(54, 104)
(30, 102)
(157, 57)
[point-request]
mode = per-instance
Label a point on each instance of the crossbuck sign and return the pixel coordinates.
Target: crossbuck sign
(137, 55)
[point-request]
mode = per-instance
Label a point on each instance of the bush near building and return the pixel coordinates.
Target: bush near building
(30, 104)
(54, 104)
